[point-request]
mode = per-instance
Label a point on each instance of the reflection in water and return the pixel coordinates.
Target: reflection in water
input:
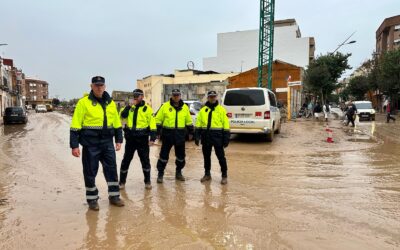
(215, 216)
(92, 240)
(173, 205)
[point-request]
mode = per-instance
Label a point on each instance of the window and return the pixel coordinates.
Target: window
(397, 27)
(272, 99)
(244, 97)
(364, 105)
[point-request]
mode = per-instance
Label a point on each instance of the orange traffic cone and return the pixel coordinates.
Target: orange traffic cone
(329, 139)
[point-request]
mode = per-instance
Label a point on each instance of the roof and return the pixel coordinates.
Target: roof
(195, 72)
(199, 72)
(35, 79)
(388, 22)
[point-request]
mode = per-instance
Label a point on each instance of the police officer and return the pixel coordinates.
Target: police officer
(140, 124)
(94, 124)
(174, 120)
(212, 128)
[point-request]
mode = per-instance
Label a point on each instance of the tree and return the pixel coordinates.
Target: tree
(389, 73)
(323, 73)
(55, 102)
(358, 87)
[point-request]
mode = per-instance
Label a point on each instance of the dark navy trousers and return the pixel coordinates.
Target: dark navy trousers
(91, 156)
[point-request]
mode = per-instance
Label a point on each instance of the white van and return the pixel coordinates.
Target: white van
(252, 111)
(365, 111)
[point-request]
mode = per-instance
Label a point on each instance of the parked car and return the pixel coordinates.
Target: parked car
(365, 111)
(252, 111)
(15, 115)
(336, 111)
(28, 107)
(194, 107)
(41, 108)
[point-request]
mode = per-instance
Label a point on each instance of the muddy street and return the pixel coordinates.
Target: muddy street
(298, 192)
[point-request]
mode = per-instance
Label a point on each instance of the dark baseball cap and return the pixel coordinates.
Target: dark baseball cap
(137, 92)
(176, 92)
(98, 80)
(211, 93)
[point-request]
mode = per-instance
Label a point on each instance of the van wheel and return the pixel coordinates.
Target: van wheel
(270, 136)
(278, 131)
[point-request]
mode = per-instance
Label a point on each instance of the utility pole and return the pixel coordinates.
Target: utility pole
(266, 43)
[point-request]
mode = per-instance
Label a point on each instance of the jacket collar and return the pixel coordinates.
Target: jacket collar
(105, 99)
(212, 106)
(180, 105)
(141, 104)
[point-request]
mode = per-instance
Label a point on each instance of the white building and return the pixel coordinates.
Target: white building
(238, 51)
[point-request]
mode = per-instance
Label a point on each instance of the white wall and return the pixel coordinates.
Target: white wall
(238, 51)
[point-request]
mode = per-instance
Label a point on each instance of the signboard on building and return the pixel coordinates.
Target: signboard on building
(281, 90)
(295, 83)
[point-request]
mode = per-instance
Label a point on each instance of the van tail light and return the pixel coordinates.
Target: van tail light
(229, 115)
(258, 114)
(267, 115)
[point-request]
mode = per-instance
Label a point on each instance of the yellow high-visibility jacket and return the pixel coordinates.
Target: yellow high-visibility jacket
(95, 121)
(174, 121)
(139, 121)
(212, 125)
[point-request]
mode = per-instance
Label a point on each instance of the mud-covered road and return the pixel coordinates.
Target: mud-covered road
(297, 193)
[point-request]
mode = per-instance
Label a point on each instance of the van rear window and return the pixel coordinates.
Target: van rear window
(245, 97)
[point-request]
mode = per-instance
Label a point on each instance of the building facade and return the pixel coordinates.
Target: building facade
(388, 35)
(194, 85)
(238, 51)
(122, 98)
(282, 73)
(37, 91)
(12, 84)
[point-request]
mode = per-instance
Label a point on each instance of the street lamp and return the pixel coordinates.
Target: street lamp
(345, 42)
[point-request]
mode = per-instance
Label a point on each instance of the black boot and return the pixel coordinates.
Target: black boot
(93, 205)
(179, 176)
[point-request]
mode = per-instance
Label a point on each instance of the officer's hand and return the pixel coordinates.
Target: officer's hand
(76, 152)
(117, 146)
(151, 143)
(197, 142)
(190, 137)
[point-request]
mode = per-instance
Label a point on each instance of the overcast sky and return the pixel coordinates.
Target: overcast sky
(67, 42)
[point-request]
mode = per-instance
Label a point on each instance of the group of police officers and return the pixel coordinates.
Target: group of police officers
(96, 122)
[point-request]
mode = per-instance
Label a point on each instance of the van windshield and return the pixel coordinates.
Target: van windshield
(244, 97)
(364, 105)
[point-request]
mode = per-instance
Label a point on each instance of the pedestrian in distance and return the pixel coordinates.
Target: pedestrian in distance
(140, 133)
(310, 108)
(351, 112)
(317, 110)
(173, 122)
(94, 125)
(388, 113)
(212, 129)
(327, 110)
